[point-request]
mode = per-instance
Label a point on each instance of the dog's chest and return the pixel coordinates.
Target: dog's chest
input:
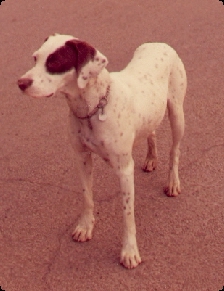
(90, 138)
(90, 142)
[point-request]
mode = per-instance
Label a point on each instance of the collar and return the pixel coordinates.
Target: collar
(102, 103)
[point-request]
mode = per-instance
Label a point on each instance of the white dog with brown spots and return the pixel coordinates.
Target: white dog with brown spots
(108, 111)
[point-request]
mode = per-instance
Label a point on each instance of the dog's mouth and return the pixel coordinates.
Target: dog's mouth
(49, 95)
(42, 96)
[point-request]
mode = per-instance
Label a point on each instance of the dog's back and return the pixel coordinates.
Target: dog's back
(151, 59)
(146, 82)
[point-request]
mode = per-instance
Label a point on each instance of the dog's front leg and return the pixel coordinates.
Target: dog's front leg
(130, 257)
(83, 166)
(84, 228)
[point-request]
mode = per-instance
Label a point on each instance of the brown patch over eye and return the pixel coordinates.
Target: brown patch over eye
(74, 54)
(61, 61)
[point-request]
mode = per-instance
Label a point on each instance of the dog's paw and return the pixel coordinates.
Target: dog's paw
(149, 165)
(130, 257)
(84, 230)
(173, 189)
(173, 186)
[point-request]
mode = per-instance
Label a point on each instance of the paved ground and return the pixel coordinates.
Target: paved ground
(181, 240)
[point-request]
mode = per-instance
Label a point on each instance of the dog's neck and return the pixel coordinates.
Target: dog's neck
(84, 101)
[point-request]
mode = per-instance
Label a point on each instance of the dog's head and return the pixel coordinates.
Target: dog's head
(58, 61)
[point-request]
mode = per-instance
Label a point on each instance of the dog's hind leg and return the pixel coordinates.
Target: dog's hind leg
(150, 163)
(177, 90)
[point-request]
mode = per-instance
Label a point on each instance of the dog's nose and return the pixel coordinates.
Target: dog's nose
(24, 83)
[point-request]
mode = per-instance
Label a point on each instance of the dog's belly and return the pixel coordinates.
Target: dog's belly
(150, 108)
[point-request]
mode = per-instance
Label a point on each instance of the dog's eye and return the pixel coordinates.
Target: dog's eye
(35, 58)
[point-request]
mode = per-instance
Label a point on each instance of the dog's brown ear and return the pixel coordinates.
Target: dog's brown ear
(83, 50)
(89, 61)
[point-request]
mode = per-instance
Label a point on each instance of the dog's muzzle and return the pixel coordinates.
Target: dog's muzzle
(24, 83)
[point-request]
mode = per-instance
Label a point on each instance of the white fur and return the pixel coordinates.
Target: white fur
(154, 80)
(91, 69)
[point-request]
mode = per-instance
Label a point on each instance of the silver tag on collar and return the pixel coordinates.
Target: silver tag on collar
(102, 115)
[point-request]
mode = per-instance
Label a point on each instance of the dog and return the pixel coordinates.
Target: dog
(108, 111)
